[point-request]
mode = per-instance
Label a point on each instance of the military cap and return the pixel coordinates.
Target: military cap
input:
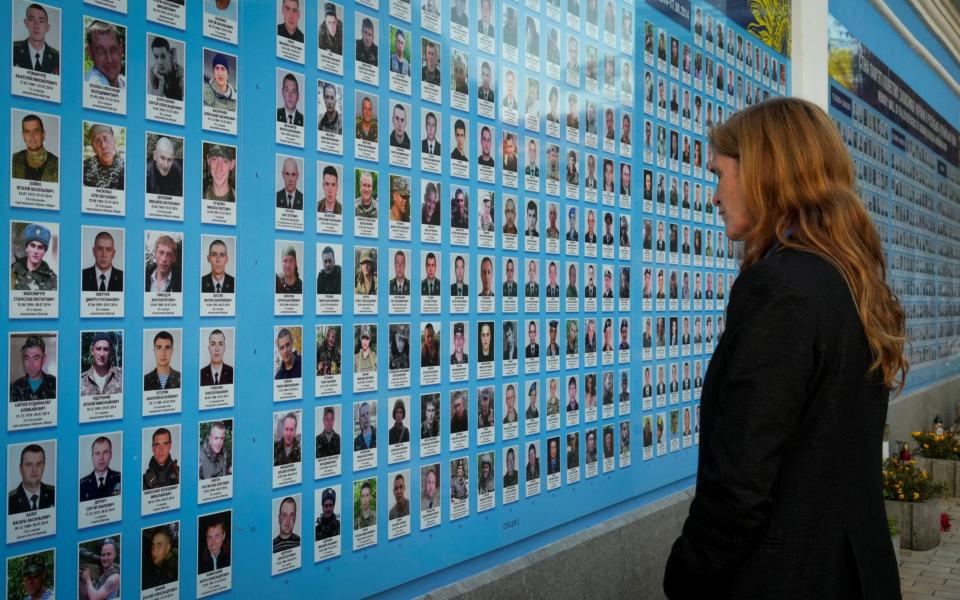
(36, 233)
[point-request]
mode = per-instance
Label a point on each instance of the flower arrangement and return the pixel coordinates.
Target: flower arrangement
(934, 445)
(905, 482)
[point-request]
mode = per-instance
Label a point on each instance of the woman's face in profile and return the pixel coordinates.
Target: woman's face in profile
(729, 198)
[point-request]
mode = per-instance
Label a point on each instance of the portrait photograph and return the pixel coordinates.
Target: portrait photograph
(163, 273)
(100, 478)
(32, 575)
(366, 130)
(32, 370)
(31, 490)
(285, 523)
(220, 93)
(330, 200)
(219, 183)
(431, 69)
(34, 267)
(289, 182)
(104, 65)
(99, 561)
(290, 23)
(401, 70)
(367, 52)
(214, 552)
(329, 117)
(160, 558)
(162, 370)
(166, 76)
(164, 176)
(104, 168)
(101, 375)
(35, 162)
(217, 355)
(35, 31)
(220, 20)
(288, 284)
(328, 506)
(290, 101)
(330, 38)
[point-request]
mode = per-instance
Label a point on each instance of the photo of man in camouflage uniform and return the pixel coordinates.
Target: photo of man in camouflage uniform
(30, 272)
(35, 383)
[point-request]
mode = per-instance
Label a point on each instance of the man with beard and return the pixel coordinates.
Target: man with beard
(328, 440)
(328, 525)
(286, 450)
(216, 372)
(166, 74)
(106, 168)
(103, 376)
(164, 170)
(163, 470)
(429, 499)
(458, 416)
(219, 92)
(35, 162)
(214, 461)
(399, 350)
(429, 349)
(328, 353)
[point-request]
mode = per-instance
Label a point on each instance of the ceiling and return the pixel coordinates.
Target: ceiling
(943, 19)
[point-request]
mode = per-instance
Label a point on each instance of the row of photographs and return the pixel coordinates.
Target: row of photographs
(33, 391)
(32, 501)
(99, 559)
(35, 274)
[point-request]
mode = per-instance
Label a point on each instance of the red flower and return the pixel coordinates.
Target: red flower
(944, 522)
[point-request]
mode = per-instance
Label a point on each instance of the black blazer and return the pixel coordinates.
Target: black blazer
(176, 284)
(425, 145)
(23, 57)
(206, 284)
(789, 494)
(89, 283)
(282, 199)
(226, 375)
(282, 116)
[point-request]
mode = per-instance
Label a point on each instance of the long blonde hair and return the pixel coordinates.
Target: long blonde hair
(798, 180)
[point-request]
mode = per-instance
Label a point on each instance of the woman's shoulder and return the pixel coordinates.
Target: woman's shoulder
(794, 271)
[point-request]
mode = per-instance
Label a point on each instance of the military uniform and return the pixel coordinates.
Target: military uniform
(157, 476)
(367, 54)
(91, 489)
(98, 176)
(20, 389)
(47, 170)
(40, 279)
(369, 211)
(25, 58)
(328, 360)
(112, 384)
(280, 456)
(327, 528)
(328, 447)
(18, 502)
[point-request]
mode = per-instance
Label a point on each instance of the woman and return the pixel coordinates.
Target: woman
(788, 501)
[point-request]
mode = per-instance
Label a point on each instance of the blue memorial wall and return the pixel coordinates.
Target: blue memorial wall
(309, 244)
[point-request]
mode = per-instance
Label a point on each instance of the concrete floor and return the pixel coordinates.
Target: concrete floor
(934, 573)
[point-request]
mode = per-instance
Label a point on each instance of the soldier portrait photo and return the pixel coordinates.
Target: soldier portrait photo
(163, 468)
(36, 50)
(33, 366)
(37, 462)
(35, 150)
(220, 80)
(101, 481)
(104, 161)
(34, 252)
(101, 362)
